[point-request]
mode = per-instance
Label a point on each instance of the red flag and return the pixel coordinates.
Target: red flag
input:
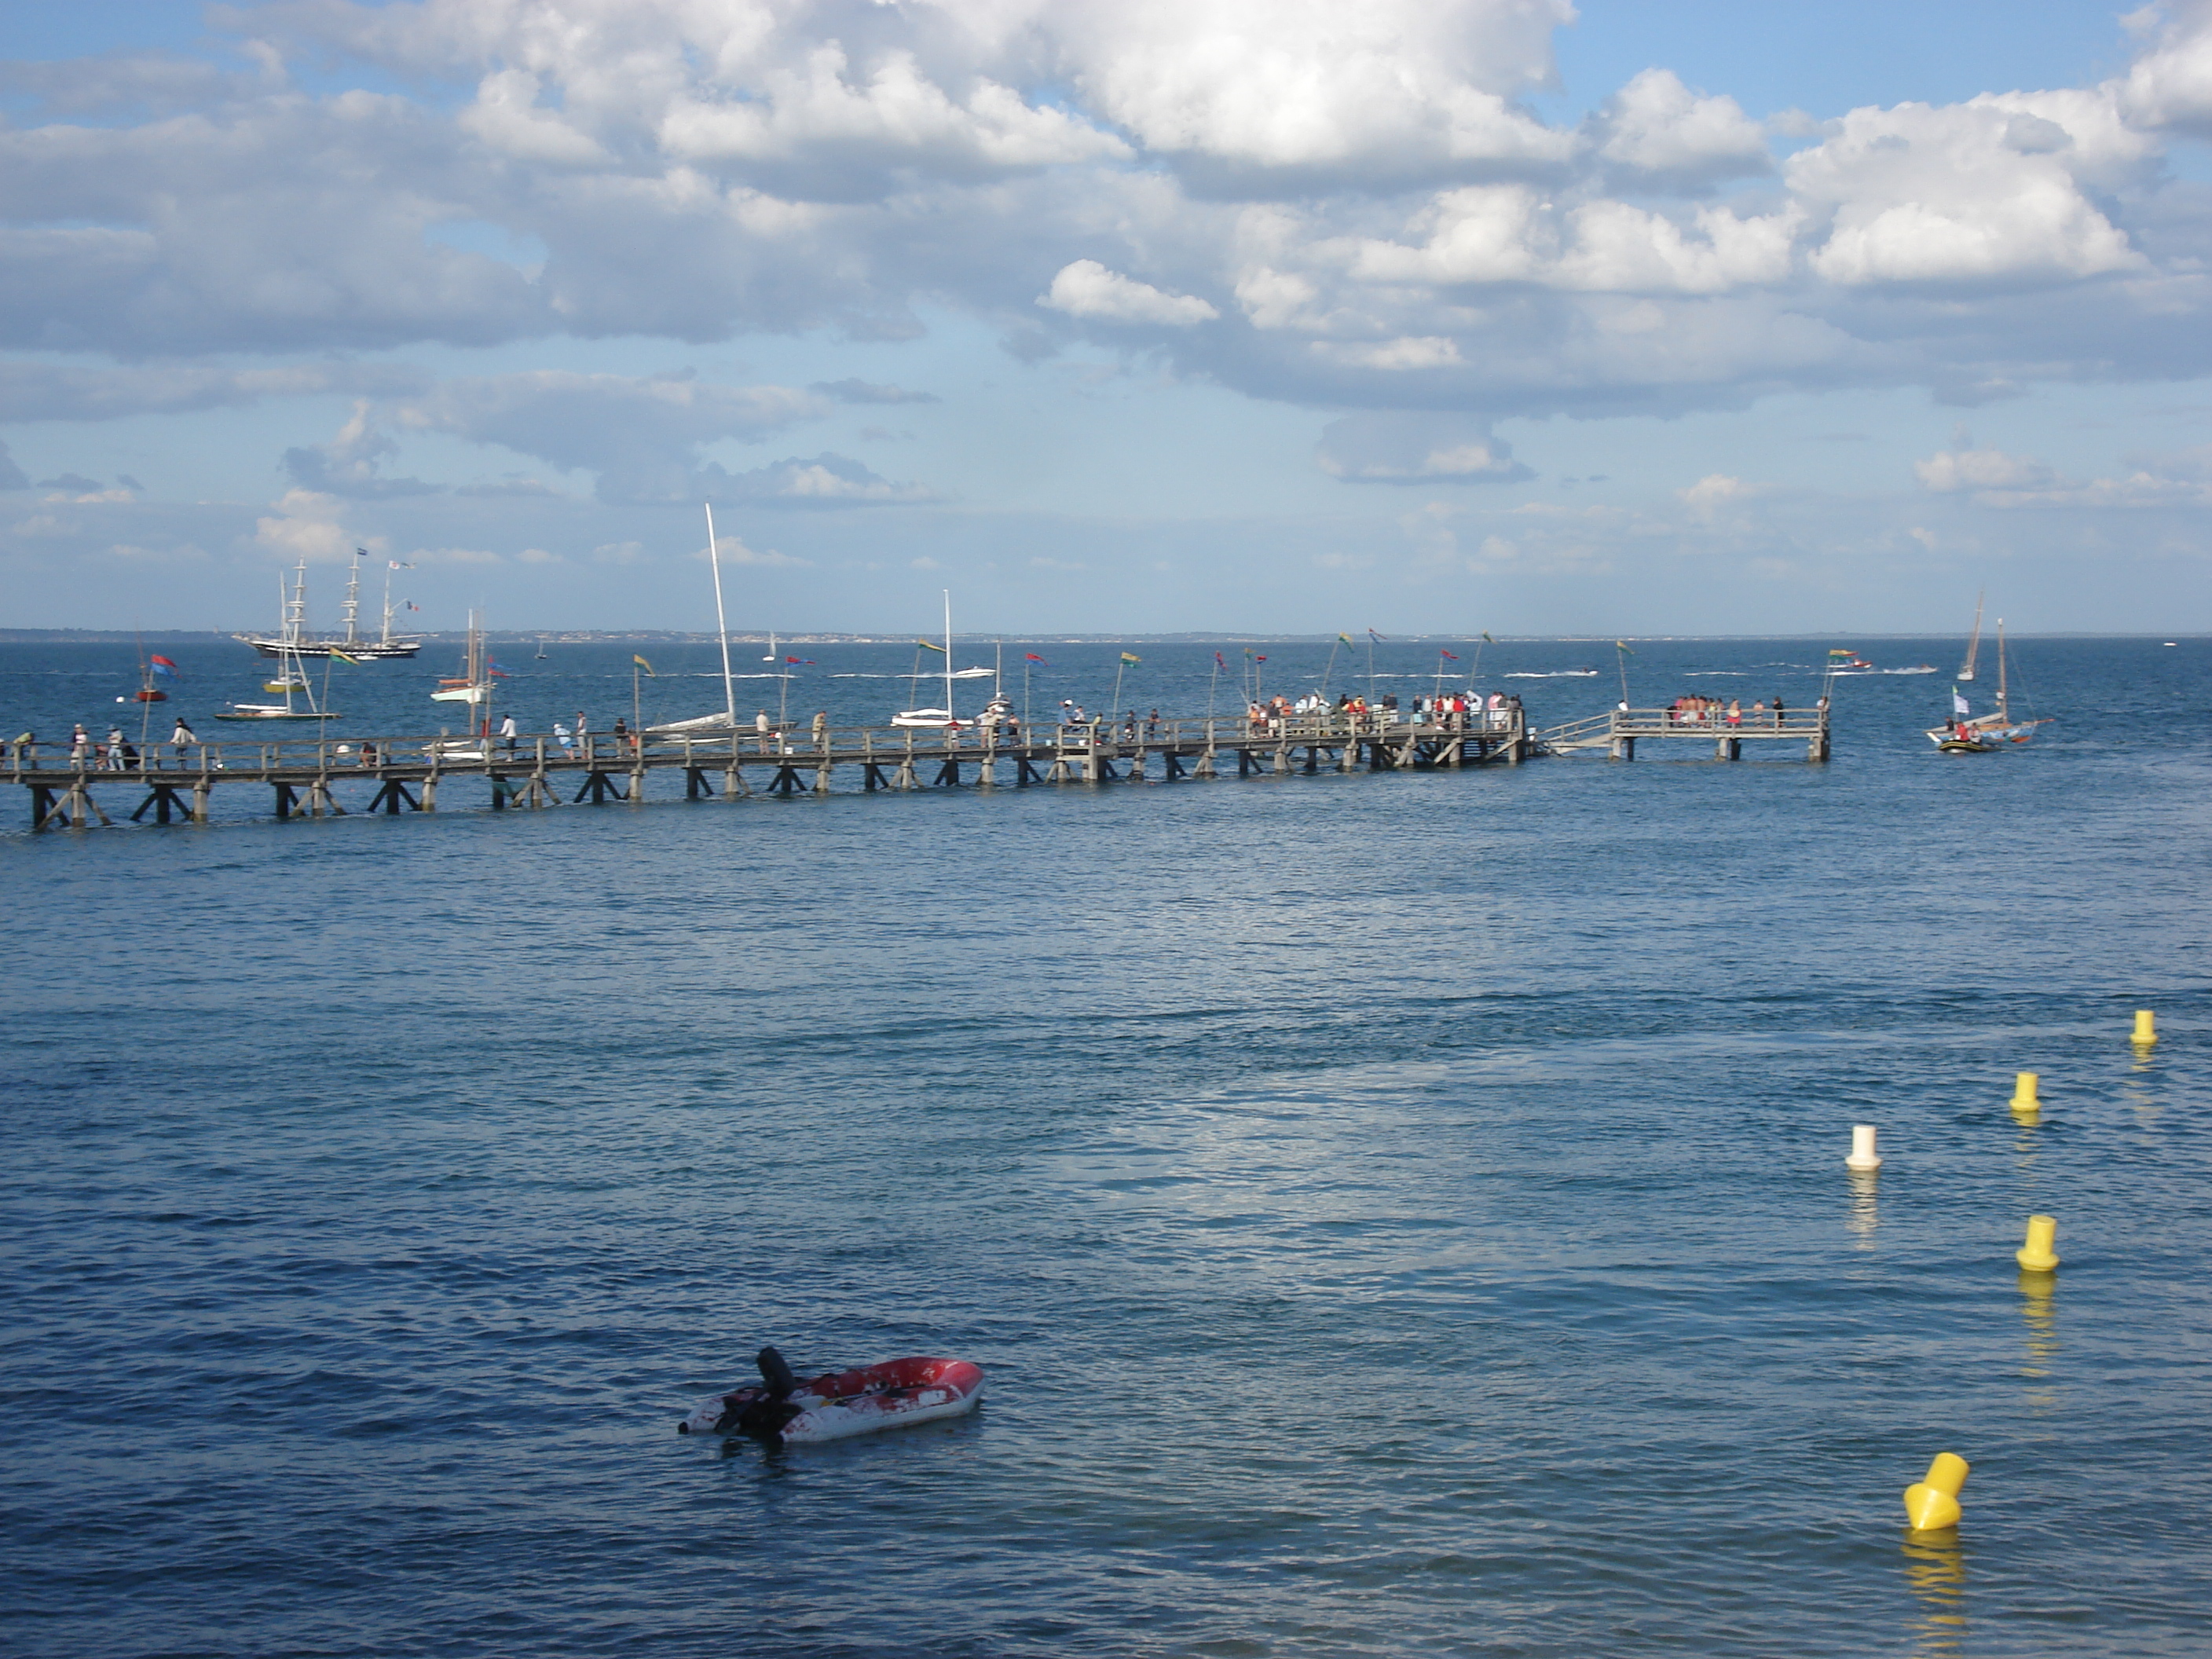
(1450, 658)
(1031, 656)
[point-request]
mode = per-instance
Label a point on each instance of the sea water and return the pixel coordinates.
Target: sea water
(1397, 1214)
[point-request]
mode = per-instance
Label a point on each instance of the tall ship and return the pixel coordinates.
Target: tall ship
(352, 645)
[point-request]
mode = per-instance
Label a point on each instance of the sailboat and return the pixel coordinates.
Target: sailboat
(725, 718)
(349, 645)
(938, 717)
(473, 684)
(1973, 645)
(291, 672)
(1968, 733)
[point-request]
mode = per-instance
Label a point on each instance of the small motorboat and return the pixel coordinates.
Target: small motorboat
(873, 1398)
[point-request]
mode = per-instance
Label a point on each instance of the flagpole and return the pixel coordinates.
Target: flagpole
(1330, 669)
(1120, 668)
(722, 622)
(1370, 668)
(636, 719)
(1439, 691)
(1212, 681)
(1477, 669)
(1622, 649)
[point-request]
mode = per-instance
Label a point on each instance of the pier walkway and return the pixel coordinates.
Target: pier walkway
(1617, 733)
(316, 777)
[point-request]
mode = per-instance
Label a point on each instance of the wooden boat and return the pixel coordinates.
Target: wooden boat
(1967, 733)
(836, 1407)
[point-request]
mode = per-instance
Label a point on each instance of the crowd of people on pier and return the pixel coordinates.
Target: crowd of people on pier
(1713, 712)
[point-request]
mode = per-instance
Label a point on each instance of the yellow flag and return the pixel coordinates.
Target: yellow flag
(645, 666)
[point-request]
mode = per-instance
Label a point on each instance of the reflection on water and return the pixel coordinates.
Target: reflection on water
(1864, 1216)
(2037, 1310)
(2135, 1088)
(1935, 1571)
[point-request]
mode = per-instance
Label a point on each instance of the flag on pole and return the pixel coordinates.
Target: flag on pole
(396, 565)
(1959, 704)
(1622, 645)
(1128, 657)
(1220, 661)
(926, 646)
(1842, 651)
(1486, 634)
(489, 668)
(645, 666)
(1031, 656)
(1448, 656)
(342, 657)
(1372, 634)
(162, 665)
(1346, 638)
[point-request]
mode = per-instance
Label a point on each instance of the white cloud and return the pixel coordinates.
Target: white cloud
(1086, 289)
(1714, 491)
(1954, 469)
(1656, 126)
(1416, 449)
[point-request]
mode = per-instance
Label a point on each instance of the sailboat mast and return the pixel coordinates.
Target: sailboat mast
(353, 598)
(721, 623)
(1974, 645)
(386, 640)
(2003, 712)
(948, 656)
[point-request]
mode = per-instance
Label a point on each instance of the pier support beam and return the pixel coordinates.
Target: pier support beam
(167, 803)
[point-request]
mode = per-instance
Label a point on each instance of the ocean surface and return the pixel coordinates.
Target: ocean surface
(1398, 1213)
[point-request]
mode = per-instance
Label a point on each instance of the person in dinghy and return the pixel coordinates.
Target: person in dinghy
(785, 1410)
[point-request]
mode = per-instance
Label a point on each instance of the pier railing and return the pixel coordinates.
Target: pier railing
(406, 771)
(1619, 730)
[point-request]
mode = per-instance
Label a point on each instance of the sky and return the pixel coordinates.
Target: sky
(1430, 316)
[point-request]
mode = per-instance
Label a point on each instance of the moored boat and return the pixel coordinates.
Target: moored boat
(836, 1407)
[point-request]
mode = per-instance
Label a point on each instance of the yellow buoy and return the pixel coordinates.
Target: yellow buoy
(2146, 1028)
(2036, 1255)
(1933, 1504)
(2023, 1092)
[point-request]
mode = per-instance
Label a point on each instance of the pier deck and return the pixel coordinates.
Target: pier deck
(1618, 732)
(308, 776)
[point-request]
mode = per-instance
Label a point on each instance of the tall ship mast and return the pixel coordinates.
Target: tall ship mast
(292, 640)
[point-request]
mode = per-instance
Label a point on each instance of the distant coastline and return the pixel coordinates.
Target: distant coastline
(761, 636)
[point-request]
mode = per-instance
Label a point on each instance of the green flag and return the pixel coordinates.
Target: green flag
(1346, 638)
(342, 657)
(1486, 633)
(1126, 657)
(645, 666)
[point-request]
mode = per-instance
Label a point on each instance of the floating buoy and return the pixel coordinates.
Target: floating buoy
(1932, 1505)
(2024, 1105)
(2146, 1028)
(2037, 1256)
(1863, 1156)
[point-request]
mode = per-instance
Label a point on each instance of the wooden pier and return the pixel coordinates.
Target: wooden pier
(1617, 733)
(318, 777)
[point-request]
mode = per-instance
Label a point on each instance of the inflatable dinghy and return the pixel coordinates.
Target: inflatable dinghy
(841, 1404)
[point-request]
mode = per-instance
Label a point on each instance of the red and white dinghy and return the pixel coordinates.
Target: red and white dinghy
(845, 1403)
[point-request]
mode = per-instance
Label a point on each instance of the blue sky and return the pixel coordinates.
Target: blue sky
(1504, 315)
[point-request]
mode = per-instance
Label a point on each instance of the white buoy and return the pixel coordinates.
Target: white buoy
(1863, 1156)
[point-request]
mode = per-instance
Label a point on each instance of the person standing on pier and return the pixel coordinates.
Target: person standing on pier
(507, 735)
(1777, 713)
(179, 738)
(761, 729)
(583, 734)
(80, 741)
(821, 729)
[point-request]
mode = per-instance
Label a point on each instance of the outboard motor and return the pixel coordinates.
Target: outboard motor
(764, 1419)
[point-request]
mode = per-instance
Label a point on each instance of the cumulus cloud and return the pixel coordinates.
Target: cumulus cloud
(1656, 127)
(1416, 449)
(1087, 290)
(350, 464)
(641, 434)
(1963, 469)
(827, 480)
(1396, 226)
